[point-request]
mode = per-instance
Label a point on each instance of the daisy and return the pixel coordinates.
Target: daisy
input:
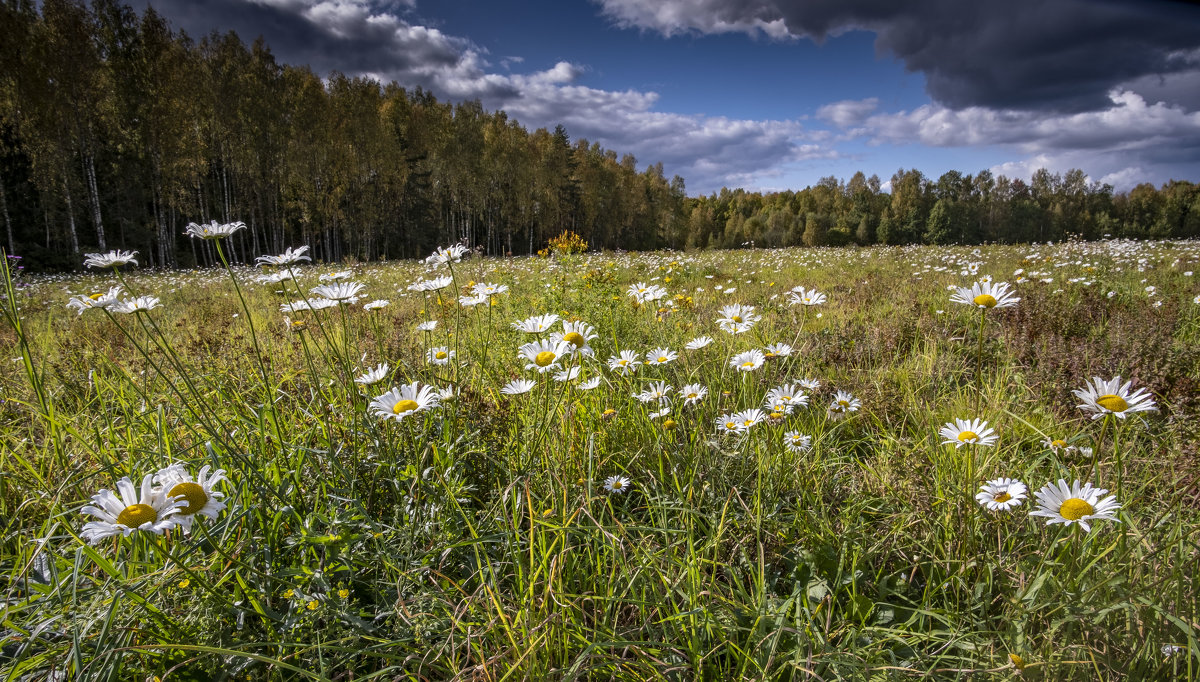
(196, 494)
(626, 362)
(472, 301)
(373, 376)
(135, 305)
(1112, 397)
(339, 291)
(589, 384)
(542, 356)
(748, 361)
(213, 230)
(730, 424)
(405, 401)
(693, 393)
(1001, 494)
(962, 432)
(788, 394)
(435, 284)
(440, 355)
(802, 296)
(577, 335)
(288, 257)
(275, 277)
(661, 356)
(985, 295)
(616, 485)
(376, 304)
(101, 301)
(777, 350)
(843, 403)
(485, 289)
(750, 417)
(336, 276)
(698, 342)
(536, 324)
(797, 442)
(150, 512)
(658, 391)
(1055, 444)
(646, 293)
(442, 256)
(568, 374)
(737, 318)
(518, 386)
(1075, 504)
(427, 326)
(810, 384)
(111, 259)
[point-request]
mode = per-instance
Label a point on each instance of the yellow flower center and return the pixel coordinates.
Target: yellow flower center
(95, 297)
(669, 425)
(193, 493)
(609, 412)
(1017, 661)
(776, 415)
(544, 358)
(844, 403)
(747, 422)
(1058, 443)
(1002, 497)
(574, 338)
(985, 301)
(622, 362)
(787, 398)
(737, 318)
(748, 363)
(135, 515)
(617, 484)
(1075, 509)
(440, 355)
(1113, 403)
(693, 395)
(404, 406)
(662, 358)
(731, 425)
(968, 437)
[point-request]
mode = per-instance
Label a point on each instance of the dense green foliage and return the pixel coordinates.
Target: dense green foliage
(476, 540)
(115, 132)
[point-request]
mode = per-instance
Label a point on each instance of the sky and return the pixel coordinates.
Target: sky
(775, 94)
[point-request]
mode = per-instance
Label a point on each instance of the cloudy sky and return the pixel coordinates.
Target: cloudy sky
(775, 94)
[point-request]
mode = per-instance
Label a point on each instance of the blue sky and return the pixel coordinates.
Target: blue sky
(775, 94)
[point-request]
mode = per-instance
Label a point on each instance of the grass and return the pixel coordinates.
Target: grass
(476, 541)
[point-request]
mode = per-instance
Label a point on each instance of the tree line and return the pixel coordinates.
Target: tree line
(116, 131)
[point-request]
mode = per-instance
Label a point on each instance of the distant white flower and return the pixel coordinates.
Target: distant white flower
(693, 393)
(427, 326)
(435, 284)
(568, 374)
(626, 362)
(486, 289)
(616, 485)
(442, 256)
(778, 350)
(536, 324)
(962, 432)
(406, 401)
(111, 259)
(802, 296)
(213, 230)
(796, 441)
(843, 403)
(660, 356)
(140, 304)
(288, 257)
(518, 386)
(346, 292)
(1001, 494)
(376, 304)
(698, 342)
(985, 295)
(336, 276)
(747, 361)
(657, 392)
(589, 384)
(373, 376)
(440, 355)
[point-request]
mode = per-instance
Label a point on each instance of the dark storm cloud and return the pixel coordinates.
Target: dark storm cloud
(1062, 55)
(352, 36)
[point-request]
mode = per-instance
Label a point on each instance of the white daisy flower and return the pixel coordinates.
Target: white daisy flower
(1112, 397)
(213, 230)
(843, 403)
(1076, 504)
(646, 293)
(589, 384)
(536, 324)
(376, 304)
(962, 432)
(730, 424)
(111, 259)
(96, 301)
(405, 401)
(658, 391)
(750, 417)
(440, 355)
(810, 384)
(802, 296)
(698, 342)
(568, 374)
(485, 289)
(336, 276)
(788, 394)
(661, 356)
(289, 257)
(543, 356)
(518, 386)
(985, 295)
(626, 362)
(427, 326)
(737, 318)
(140, 304)
(747, 361)
(778, 350)
(442, 256)
(435, 284)
(577, 335)
(616, 485)
(149, 512)
(1001, 494)
(693, 393)
(195, 494)
(373, 376)
(797, 442)
(339, 291)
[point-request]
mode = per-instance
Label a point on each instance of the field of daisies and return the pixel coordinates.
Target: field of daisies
(864, 464)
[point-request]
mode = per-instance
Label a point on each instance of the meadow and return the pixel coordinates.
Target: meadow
(655, 466)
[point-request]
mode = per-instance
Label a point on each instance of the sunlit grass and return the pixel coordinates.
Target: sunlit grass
(485, 538)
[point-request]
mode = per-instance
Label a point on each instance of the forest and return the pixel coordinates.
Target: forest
(117, 130)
